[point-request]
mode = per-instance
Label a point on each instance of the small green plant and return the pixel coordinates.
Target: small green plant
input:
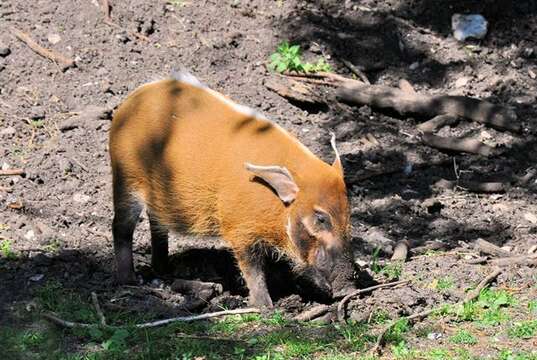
(380, 317)
(356, 334)
(402, 351)
(288, 58)
(395, 334)
(277, 318)
(177, 3)
(444, 283)
(117, 342)
(375, 266)
(463, 337)
(532, 306)
(6, 249)
(510, 355)
(524, 329)
(392, 270)
(438, 354)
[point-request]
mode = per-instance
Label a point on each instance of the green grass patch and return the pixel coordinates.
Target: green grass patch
(463, 337)
(444, 283)
(6, 249)
(523, 330)
(357, 335)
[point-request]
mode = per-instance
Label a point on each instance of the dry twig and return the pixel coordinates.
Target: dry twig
(343, 302)
(70, 324)
(12, 172)
(97, 307)
(467, 145)
(49, 54)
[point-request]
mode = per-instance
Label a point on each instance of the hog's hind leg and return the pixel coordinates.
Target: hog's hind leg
(126, 214)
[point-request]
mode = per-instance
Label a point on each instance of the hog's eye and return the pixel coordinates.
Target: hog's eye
(322, 219)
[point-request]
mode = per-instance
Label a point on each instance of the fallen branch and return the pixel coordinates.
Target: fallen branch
(488, 248)
(294, 90)
(70, 324)
(472, 295)
(343, 302)
(437, 122)
(400, 251)
(405, 103)
(313, 313)
(65, 62)
(12, 172)
(473, 186)
(524, 260)
(97, 307)
(458, 144)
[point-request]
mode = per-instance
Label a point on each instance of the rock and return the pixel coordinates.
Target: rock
(532, 74)
(86, 115)
(468, 26)
(530, 217)
(414, 65)
(4, 50)
(8, 131)
(81, 198)
(37, 277)
(346, 130)
(524, 100)
(462, 81)
(30, 235)
(54, 38)
(377, 239)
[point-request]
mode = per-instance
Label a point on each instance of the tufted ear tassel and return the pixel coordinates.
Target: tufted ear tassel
(337, 161)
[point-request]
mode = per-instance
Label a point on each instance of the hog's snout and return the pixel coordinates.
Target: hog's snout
(315, 283)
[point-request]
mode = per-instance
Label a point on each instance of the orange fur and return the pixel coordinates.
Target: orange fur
(181, 149)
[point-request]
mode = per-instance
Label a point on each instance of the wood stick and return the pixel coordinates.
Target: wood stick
(343, 302)
(65, 62)
(12, 172)
(97, 307)
(472, 295)
(384, 97)
(458, 144)
(488, 248)
(294, 90)
(400, 252)
(473, 186)
(437, 122)
(354, 69)
(70, 324)
(313, 313)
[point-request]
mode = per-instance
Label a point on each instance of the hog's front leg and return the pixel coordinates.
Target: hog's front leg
(252, 268)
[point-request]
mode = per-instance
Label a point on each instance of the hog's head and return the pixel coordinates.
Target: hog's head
(318, 221)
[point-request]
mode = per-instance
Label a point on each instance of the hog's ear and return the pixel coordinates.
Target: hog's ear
(337, 161)
(279, 179)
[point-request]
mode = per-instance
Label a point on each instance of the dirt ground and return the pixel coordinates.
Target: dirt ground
(55, 221)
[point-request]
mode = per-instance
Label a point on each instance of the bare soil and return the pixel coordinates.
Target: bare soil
(54, 125)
